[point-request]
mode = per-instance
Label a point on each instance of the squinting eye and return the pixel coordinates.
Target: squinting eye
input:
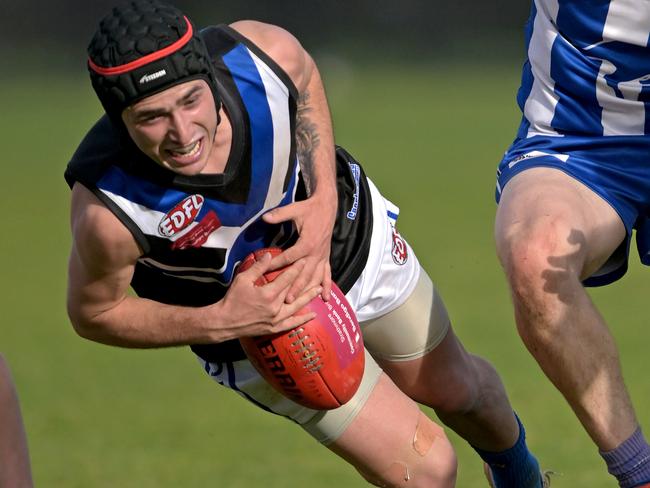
(150, 119)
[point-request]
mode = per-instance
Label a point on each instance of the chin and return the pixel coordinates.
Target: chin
(188, 170)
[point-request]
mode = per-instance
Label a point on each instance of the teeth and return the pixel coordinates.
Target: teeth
(190, 150)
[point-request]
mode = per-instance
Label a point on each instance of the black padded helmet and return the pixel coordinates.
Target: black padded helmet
(141, 48)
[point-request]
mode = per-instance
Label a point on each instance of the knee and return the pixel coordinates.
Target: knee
(541, 259)
(430, 473)
(543, 263)
(400, 476)
(429, 460)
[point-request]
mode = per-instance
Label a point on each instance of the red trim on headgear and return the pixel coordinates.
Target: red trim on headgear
(149, 58)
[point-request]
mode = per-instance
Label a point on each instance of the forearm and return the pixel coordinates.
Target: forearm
(141, 323)
(245, 310)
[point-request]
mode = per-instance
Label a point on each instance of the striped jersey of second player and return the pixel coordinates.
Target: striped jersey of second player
(588, 68)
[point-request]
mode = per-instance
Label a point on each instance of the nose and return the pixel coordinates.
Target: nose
(180, 128)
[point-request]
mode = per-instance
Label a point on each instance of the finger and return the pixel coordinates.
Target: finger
(303, 280)
(259, 267)
(280, 214)
(300, 302)
(293, 322)
(282, 282)
(327, 282)
(288, 256)
(296, 270)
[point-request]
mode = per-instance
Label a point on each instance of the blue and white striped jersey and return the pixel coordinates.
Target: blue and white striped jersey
(588, 69)
(197, 228)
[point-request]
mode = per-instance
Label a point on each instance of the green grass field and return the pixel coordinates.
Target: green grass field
(103, 417)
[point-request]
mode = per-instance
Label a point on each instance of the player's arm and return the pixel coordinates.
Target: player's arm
(102, 263)
(15, 467)
(314, 217)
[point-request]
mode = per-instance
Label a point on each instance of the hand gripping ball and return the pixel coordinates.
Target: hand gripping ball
(318, 364)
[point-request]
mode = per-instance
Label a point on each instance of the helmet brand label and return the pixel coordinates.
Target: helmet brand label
(152, 76)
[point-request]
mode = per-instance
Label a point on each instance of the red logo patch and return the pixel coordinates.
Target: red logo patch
(399, 253)
(200, 233)
(182, 215)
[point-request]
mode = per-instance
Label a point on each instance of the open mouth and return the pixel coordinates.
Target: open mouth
(186, 154)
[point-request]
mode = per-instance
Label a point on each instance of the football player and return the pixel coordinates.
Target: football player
(571, 189)
(216, 143)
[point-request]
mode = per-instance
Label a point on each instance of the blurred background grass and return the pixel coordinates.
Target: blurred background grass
(430, 135)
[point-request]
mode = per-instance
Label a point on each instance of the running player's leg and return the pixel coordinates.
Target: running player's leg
(551, 233)
(417, 348)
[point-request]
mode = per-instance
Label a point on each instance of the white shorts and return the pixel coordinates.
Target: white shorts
(390, 277)
(392, 269)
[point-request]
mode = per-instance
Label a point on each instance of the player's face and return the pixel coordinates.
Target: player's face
(176, 127)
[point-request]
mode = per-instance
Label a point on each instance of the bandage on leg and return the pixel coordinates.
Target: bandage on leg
(417, 462)
(426, 432)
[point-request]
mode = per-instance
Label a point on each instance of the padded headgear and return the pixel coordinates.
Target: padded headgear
(141, 48)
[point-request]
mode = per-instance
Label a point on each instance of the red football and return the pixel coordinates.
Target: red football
(318, 364)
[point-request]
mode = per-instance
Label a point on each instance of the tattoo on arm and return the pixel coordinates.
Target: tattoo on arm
(307, 141)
